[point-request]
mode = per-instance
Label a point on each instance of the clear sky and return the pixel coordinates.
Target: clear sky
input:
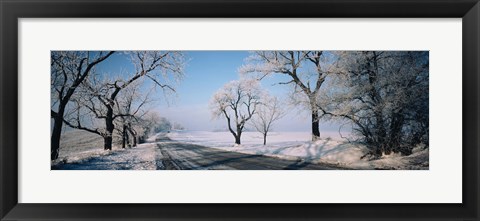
(205, 73)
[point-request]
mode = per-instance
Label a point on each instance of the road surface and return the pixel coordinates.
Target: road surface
(184, 156)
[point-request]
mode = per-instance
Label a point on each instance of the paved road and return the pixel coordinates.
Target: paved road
(183, 156)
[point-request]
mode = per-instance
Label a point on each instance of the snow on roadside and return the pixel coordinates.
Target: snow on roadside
(142, 157)
(418, 160)
(295, 145)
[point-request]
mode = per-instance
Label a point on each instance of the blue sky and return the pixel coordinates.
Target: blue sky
(205, 73)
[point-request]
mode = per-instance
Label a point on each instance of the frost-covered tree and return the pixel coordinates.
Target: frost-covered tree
(237, 101)
(177, 126)
(146, 125)
(131, 105)
(68, 70)
(306, 70)
(101, 91)
(385, 96)
(163, 125)
(268, 112)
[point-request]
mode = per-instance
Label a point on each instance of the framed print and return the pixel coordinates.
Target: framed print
(272, 110)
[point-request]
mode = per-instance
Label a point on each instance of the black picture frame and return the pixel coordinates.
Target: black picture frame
(12, 10)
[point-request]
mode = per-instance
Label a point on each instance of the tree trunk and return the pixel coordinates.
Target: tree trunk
(133, 134)
(108, 142)
(127, 138)
(381, 132)
(237, 139)
(110, 127)
(239, 134)
(56, 133)
(396, 133)
(264, 139)
(55, 139)
(315, 125)
(124, 136)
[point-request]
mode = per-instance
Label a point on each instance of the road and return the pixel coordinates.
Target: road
(166, 154)
(183, 156)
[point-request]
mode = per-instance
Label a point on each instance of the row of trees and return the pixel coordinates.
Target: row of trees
(382, 94)
(87, 99)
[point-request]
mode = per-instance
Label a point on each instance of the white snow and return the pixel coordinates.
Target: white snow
(296, 145)
(142, 157)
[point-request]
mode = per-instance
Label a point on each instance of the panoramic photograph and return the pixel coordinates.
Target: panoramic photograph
(239, 110)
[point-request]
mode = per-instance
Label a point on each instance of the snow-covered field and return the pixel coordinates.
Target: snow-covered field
(330, 149)
(74, 143)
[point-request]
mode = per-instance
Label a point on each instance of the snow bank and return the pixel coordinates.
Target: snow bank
(141, 157)
(419, 160)
(296, 145)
